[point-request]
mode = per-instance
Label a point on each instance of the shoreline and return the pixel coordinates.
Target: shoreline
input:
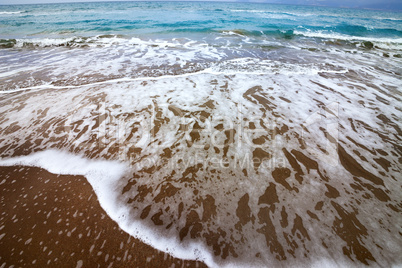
(51, 219)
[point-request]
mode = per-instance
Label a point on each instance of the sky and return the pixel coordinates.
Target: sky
(372, 4)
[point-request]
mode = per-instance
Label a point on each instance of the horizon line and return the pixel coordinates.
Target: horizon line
(208, 1)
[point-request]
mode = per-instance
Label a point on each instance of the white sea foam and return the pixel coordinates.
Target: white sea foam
(249, 66)
(16, 71)
(332, 35)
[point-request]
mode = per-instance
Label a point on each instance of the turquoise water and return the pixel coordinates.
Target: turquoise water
(193, 18)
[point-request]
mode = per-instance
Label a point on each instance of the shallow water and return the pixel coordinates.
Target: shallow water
(279, 148)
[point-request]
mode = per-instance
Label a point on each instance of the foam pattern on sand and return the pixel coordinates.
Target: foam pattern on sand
(283, 168)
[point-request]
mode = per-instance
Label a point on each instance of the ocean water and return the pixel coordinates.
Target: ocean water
(136, 39)
(235, 134)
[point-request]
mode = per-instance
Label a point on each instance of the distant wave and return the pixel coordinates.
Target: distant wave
(279, 14)
(251, 11)
(81, 42)
(339, 36)
(239, 37)
(9, 12)
(382, 18)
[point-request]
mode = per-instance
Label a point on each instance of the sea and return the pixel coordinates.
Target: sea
(236, 134)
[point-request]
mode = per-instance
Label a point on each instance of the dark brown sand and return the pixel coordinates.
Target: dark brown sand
(56, 220)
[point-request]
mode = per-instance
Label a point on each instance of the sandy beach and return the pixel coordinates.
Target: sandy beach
(56, 220)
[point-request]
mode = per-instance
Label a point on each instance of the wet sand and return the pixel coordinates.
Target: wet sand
(324, 185)
(56, 220)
